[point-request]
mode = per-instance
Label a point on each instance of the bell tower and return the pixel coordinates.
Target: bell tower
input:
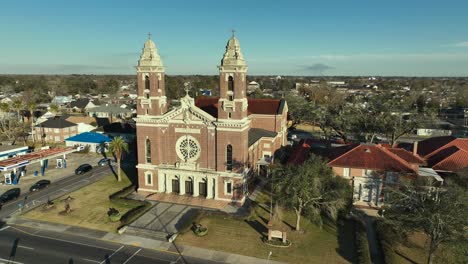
(151, 90)
(232, 102)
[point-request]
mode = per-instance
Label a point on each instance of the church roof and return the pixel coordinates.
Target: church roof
(255, 107)
(256, 133)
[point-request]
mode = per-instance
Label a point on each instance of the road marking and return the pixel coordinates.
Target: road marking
(109, 257)
(4, 228)
(132, 256)
(62, 240)
(11, 261)
(91, 260)
(30, 248)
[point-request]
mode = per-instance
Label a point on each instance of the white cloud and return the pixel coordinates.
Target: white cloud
(462, 44)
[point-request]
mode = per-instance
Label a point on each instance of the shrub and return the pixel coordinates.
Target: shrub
(386, 237)
(362, 245)
(114, 214)
(190, 221)
(200, 230)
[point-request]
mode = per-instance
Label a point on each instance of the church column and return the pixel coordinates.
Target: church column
(161, 179)
(209, 188)
(182, 185)
(196, 192)
(216, 182)
(168, 180)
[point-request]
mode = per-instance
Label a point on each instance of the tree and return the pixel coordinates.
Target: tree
(118, 147)
(310, 189)
(18, 106)
(54, 108)
(442, 214)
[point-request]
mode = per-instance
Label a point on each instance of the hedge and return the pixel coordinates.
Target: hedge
(362, 245)
(140, 207)
(384, 233)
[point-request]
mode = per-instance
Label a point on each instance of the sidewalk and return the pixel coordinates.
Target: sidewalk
(189, 251)
(51, 173)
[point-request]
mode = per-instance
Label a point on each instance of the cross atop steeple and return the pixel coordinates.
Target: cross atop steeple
(149, 35)
(233, 32)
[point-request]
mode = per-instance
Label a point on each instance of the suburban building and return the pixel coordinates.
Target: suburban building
(206, 147)
(95, 141)
(55, 129)
(82, 104)
(113, 112)
(84, 123)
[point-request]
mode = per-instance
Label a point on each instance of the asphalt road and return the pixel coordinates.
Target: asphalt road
(54, 190)
(21, 245)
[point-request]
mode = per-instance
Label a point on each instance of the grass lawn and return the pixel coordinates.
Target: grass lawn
(416, 251)
(89, 207)
(244, 236)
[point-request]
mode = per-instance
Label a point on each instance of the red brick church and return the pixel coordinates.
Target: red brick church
(207, 147)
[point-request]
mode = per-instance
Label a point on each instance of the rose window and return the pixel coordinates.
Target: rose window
(188, 148)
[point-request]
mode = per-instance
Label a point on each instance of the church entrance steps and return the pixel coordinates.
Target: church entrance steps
(146, 233)
(188, 200)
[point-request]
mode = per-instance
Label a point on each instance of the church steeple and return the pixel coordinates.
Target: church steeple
(232, 83)
(151, 88)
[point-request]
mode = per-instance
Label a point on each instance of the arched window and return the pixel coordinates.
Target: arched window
(147, 82)
(148, 151)
(229, 158)
(230, 84)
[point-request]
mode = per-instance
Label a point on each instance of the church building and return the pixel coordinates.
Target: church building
(208, 147)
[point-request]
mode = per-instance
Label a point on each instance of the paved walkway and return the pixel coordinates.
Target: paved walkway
(219, 256)
(162, 220)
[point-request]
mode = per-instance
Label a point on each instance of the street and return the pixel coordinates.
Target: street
(22, 245)
(54, 190)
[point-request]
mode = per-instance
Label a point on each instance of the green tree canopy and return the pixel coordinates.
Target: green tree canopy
(310, 189)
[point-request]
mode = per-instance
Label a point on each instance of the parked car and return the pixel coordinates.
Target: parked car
(9, 195)
(39, 185)
(83, 168)
(104, 162)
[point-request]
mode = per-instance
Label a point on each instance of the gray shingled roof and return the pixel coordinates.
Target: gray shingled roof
(57, 122)
(109, 109)
(256, 133)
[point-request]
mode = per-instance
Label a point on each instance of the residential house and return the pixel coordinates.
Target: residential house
(81, 105)
(112, 112)
(84, 123)
(55, 130)
(44, 117)
(61, 100)
(370, 168)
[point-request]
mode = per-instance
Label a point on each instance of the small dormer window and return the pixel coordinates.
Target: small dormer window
(231, 97)
(147, 95)
(367, 150)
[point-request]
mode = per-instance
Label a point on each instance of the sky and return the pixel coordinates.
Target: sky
(359, 37)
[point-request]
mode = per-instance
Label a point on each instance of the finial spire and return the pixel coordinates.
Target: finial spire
(149, 35)
(187, 88)
(233, 32)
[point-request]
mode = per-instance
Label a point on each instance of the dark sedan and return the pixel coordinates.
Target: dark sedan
(9, 195)
(83, 169)
(39, 185)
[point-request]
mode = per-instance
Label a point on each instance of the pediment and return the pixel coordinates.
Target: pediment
(189, 114)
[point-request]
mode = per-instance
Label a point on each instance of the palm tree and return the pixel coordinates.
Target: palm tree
(31, 108)
(118, 147)
(18, 106)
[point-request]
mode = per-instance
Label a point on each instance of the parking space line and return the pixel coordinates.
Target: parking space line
(10, 261)
(134, 254)
(109, 257)
(4, 228)
(30, 248)
(91, 260)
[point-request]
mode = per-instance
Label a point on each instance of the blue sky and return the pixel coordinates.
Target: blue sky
(410, 38)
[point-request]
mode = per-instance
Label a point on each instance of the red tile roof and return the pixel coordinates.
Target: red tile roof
(407, 155)
(445, 153)
(256, 106)
(372, 157)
